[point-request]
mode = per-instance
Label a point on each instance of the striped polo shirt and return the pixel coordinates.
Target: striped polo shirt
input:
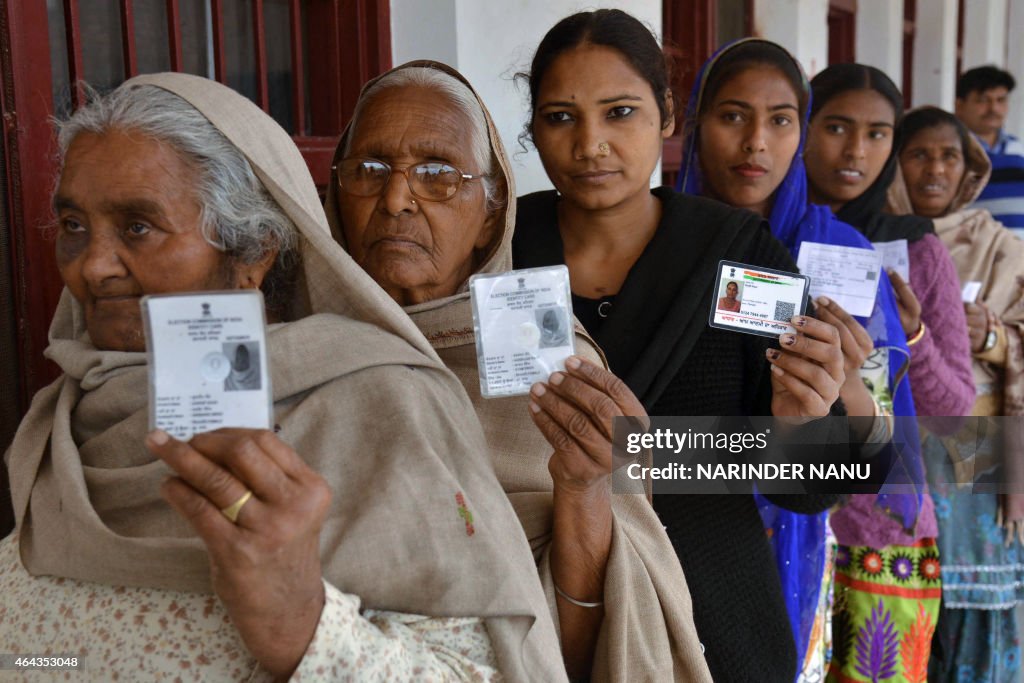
(1004, 194)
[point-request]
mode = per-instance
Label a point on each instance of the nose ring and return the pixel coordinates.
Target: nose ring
(604, 149)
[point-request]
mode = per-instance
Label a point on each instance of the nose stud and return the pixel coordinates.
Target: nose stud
(604, 149)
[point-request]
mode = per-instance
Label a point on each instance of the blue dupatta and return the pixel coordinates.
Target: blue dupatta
(799, 540)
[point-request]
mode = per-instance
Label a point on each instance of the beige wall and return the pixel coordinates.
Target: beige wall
(489, 41)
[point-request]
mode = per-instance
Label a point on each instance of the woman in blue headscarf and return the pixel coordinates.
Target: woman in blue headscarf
(746, 125)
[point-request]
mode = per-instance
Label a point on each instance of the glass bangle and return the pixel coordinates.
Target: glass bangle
(917, 335)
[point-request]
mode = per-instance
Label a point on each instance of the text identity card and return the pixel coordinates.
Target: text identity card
(207, 362)
(847, 275)
(524, 327)
(895, 257)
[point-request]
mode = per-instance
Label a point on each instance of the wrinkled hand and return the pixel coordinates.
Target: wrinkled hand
(574, 411)
(979, 321)
(807, 372)
(265, 567)
(907, 303)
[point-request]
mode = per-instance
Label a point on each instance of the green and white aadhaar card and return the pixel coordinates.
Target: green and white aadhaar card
(757, 300)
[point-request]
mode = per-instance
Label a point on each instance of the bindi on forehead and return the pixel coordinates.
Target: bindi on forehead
(571, 101)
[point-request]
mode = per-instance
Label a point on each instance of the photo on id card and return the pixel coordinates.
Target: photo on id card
(757, 300)
(208, 365)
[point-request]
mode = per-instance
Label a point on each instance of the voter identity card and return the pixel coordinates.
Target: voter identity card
(895, 257)
(207, 362)
(847, 275)
(524, 327)
(757, 300)
(969, 294)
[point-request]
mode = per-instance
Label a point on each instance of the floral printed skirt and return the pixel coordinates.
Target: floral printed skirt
(976, 645)
(886, 607)
(979, 570)
(983, 579)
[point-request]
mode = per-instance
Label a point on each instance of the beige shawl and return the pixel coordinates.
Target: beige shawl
(358, 392)
(648, 632)
(984, 251)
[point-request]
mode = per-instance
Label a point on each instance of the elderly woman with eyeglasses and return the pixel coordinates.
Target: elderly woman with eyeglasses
(364, 538)
(420, 199)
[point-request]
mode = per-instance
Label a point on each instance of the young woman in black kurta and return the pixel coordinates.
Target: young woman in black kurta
(654, 332)
(601, 106)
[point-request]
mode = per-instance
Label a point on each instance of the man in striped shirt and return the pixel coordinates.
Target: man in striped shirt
(982, 103)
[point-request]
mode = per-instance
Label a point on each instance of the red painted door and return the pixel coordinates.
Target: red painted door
(842, 26)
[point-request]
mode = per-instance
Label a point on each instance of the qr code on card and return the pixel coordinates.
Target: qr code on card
(784, 310)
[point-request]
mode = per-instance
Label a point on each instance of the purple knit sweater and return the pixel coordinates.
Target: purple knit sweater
(942, 382)
(940, 364)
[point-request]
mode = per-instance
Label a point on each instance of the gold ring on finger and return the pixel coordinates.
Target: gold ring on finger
(231, 511)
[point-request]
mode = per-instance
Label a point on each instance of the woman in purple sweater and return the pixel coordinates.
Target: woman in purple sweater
(887, 576)
(851, 161)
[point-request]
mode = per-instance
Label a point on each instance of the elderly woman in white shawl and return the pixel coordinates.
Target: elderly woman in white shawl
(420, 198)
(367, 539)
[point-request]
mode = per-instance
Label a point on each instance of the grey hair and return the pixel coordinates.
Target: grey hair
(463, 98)
(239, 217)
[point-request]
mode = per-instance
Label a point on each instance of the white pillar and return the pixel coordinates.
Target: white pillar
(423, 30)
(880, 36)
(935, 53)
(984, 33)
(1015, 65)
(801, 26)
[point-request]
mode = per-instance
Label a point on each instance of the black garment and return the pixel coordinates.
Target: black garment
(657, 339)
(866, 212)
(592, 312)
(662, 308)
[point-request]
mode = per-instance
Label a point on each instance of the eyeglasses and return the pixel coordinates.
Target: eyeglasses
(431, 181)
